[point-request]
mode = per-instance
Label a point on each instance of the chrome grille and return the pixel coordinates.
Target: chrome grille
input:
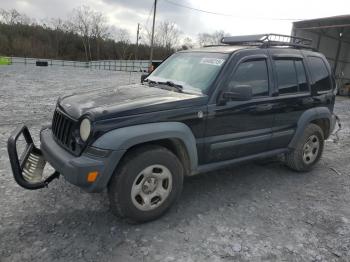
(62, 127)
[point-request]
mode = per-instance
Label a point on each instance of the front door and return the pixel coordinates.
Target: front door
(240, 128)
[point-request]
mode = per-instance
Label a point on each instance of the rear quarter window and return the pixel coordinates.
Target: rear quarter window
(319, 73)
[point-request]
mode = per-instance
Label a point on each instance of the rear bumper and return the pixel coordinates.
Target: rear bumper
(75, 169)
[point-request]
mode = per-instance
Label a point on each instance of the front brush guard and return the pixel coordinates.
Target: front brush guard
(29, 167)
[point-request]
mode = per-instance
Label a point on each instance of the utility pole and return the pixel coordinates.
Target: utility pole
(137, 40)
(152, 39)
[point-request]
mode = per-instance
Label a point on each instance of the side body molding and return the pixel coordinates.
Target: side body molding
(126, 137)
(307, 117)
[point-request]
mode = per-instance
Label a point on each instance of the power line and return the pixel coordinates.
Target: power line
(230, 15)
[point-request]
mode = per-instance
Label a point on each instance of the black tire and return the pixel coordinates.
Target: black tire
(120, 187)
(295, 158)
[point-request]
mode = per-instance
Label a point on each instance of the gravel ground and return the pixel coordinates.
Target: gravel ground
(254, 212)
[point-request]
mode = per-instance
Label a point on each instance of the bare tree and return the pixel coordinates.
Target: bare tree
(59, 26)
(99, 30)
(99, 26)
(218, 35)
(187, 43)
(83, 35)
(122, 37)
(9, 17)
(12, 17)
(146, 37)
(210, 39)
(167, 35)
(204, 39)
(80, 23)
(89, 24)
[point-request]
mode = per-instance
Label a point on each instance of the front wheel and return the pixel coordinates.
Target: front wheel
(148, 181)
(308, 150)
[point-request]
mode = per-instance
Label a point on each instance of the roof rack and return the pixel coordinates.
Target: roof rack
(267, 40)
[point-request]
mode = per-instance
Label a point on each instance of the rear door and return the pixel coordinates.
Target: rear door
(292, 94)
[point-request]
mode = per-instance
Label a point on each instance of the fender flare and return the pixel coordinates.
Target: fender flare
(306, 118)
(127, 137)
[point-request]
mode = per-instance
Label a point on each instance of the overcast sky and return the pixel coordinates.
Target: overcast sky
(243, 17)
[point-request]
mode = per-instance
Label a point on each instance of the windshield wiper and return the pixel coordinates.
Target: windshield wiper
(178, 87)
(171, 84)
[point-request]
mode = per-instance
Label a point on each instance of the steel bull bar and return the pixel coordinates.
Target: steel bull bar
(29, 167)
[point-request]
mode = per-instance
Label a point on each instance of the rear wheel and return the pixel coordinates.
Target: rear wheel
(308, 150)
(148, 181)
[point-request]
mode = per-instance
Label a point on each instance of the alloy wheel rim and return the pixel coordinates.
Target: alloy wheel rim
(311, 149)
(151, 187)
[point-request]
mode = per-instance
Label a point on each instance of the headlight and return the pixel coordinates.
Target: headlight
(85, 129)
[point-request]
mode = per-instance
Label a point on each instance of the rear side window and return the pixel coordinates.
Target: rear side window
(291, 76)
(253, 73)
(286, 76)
(319, 73)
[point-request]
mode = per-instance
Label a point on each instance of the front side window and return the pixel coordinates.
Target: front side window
(253, 73)
(319, 73)
(195, 70)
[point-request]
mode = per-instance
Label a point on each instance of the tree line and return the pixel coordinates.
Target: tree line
(85, 35)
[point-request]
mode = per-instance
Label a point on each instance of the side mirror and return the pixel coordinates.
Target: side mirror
(238, 93)
(143, 77)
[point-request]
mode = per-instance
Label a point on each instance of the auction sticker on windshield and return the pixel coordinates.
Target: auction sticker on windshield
(212, 61)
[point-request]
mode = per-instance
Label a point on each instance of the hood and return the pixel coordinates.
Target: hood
(125, 100)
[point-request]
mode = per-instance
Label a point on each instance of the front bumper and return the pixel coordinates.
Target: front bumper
(76, 169)
(28, 167)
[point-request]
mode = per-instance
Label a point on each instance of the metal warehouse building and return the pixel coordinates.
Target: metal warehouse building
(331, 36)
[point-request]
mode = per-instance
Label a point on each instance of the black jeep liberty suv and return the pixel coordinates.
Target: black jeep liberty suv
(252, 97)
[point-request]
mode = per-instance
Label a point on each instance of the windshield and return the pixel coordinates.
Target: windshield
(191, 70)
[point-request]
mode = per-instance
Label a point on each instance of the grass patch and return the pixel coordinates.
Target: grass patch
(5, 60)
